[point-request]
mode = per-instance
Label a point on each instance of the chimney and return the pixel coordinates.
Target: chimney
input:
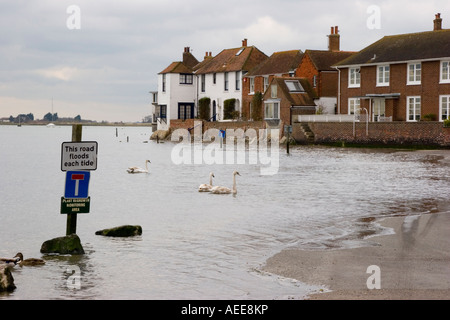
(437, 22)
(244, 42)
(334, 39)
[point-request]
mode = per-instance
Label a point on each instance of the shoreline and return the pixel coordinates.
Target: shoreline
(414, 263)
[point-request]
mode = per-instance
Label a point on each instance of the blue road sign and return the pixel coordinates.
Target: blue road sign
(77, 184)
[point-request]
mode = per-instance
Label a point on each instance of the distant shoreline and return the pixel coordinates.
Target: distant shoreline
(105, 124)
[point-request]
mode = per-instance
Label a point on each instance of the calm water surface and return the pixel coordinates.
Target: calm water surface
(196, 245)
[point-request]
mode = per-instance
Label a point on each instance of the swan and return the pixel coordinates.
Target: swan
(28, 262)
(139, 170)
(206, 187)
(225, 190)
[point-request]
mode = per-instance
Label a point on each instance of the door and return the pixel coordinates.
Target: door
(379, 109)
(214, 111)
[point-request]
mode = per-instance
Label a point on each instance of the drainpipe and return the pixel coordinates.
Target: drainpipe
(339, 90)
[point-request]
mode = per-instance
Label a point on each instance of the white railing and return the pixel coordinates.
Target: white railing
(326, 118)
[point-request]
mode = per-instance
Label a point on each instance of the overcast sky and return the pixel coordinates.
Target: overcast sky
(103, 66)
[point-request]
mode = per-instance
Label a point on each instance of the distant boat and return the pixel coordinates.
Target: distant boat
(50, 125)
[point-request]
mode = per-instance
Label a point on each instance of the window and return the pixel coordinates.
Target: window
(164, 83)
(238, 80)
(315, 81)
(294, 86)
(185, 111)
(273, 91)
(225, 82)
(354, 78)
(163, 111)
(414, 73)
(354, 106)
(444, 109)
(383, 76)
(186, 78)
(266, 83)
(252, 85)
(214, 78)
(271, 110)
(445, 72)
(203, 82)
(413, 108)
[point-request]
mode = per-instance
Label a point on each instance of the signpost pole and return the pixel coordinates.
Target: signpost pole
(71, 228)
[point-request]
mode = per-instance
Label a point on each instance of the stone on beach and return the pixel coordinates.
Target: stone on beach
(70, 244)
(6, 279)
(122, 231)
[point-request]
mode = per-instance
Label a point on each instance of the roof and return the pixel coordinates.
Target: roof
(177, 67)
(304, 98)
(278, 63)
(236, 59)
(404, 47)
(324, 60)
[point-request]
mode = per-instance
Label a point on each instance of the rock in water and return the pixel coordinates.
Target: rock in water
(70, 244)
(122, 231)
(6, 279)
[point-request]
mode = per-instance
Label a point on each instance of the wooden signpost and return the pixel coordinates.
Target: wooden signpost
(78, 158)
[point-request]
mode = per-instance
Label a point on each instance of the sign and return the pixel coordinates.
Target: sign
(287, 129)
(77, 184)
(79, 155)
(75, 205)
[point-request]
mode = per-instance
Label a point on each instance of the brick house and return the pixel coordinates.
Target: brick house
(279, 64)
(402, 77)
(317, 67)
(287, 96)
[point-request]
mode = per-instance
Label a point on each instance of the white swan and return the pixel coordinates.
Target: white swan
(139, 170)
(225, 190)
(207, 187)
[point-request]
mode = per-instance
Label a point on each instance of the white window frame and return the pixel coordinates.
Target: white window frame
(266, 83)
(416, 69)
(384, 71)
(272, 109)
(444, 103)
(238, 81)
(413, 102)
(354, 77)
(445, 76)
(354, 106)
(252, 85)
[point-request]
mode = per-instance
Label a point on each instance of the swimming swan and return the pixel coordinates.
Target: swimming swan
(225, 190)
(207, 187)
(139, 170)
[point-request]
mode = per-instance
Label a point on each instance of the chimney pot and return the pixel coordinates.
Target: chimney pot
(332, 30)
(437, 22)
(244, 42)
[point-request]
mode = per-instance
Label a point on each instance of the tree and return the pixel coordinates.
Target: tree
(228, 108)
(257, 106)
(78, 118)
(204, 109)
(50, 117)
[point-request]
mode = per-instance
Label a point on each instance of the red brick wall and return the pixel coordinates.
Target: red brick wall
(385, 133)
(307, 70)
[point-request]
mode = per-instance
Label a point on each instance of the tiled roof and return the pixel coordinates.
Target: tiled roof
(296, 98)
(324, 60)
(177, 67)
(229, 60)
(278, 63)
(404, 47)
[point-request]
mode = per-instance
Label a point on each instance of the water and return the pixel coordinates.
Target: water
(196, 245)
